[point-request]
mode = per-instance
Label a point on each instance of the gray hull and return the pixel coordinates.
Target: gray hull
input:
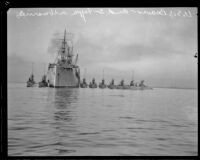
(63, 77)
(129, 87)
(140, 88)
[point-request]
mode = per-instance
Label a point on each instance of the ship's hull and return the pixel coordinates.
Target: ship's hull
(140, 88)
(42, 84)
(93, 85)
(134, 87)
(102, 86)
(129, 87)
(59, 76)
(30, 84)
(111, 86)
(83, 85)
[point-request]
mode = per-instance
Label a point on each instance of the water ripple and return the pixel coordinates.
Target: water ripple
(101, 122)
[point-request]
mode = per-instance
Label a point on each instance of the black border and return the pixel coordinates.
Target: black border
(4, 7)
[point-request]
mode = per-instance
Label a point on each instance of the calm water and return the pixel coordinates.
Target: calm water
(62, 122)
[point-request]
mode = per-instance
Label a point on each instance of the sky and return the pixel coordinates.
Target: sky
(152, 44)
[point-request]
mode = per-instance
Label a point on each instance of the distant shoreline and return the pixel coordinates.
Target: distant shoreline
(151, 86)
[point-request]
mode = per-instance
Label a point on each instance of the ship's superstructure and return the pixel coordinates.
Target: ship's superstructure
(64, 72)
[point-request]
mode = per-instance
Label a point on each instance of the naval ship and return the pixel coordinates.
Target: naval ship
(64, 72)
(31, 82)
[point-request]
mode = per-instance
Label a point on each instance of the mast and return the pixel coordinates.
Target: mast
(69, 42)
(65, 35)
(63, 46)
(32, 70)
(32, 76)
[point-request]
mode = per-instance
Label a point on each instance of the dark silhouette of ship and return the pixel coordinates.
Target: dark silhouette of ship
(84, 84)
(93, 84)
(43, 83)
(31, 82)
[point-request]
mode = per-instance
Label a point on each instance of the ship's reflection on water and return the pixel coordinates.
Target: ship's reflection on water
(63, 103)
(64, 118)
(85, 122)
